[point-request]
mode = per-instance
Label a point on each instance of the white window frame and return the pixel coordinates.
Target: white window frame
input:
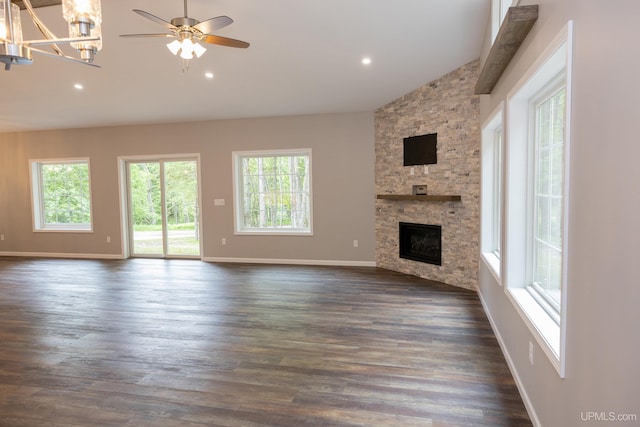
(498, 143)
(552, 308)
(553, 64)
(492, 190)
(37, 198)
(240, 229)
(499, 9)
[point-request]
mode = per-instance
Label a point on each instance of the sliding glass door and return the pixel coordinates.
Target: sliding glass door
(164, 214)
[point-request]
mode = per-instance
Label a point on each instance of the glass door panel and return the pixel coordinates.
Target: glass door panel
(164, 208)
(147, 225)
(181, 208)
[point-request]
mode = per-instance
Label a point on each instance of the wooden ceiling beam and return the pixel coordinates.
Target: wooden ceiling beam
(515, 27)
(39, 3)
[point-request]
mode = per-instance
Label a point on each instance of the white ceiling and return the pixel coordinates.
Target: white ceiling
(305, 58)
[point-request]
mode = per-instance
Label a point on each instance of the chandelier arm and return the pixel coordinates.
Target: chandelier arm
(64, 57)
(43, 28)
(62, 40)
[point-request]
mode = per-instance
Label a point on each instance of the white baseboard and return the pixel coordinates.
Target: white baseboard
(334, 263)
(61, 255)
(523, 392)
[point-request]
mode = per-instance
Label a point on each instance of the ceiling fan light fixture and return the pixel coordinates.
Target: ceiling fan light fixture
(187, 48)
(189, 32)
(199, 50)
(174, 46)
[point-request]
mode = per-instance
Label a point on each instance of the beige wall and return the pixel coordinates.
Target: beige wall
(343, 184)
(603, 343)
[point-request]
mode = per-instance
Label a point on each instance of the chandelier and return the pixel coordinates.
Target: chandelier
(85, 33)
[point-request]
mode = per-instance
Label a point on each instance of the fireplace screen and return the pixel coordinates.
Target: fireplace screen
(421, 242)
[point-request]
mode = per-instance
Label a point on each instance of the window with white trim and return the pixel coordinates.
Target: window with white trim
(492, 193)
(497, 190)
(61, 195)
(499, 9)
(536, 196)
(273, 192)
(548, 198)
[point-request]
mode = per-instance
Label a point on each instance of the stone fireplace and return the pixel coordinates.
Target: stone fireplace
(448, 107)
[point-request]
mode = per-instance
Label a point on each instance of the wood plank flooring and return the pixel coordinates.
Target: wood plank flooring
(140, 342)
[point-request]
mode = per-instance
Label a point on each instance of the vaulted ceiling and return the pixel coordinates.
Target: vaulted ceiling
(305, 58)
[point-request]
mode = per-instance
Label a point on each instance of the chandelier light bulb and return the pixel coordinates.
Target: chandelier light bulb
(85, 20)
(13, 35)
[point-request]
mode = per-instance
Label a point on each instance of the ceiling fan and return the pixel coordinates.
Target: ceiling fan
(189, 31)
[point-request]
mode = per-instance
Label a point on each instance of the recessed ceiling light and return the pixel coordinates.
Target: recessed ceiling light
(366, 61)
(208, 75)
(78, 86)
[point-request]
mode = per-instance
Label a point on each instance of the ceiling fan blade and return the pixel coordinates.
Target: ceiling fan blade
(225, 41)
(148, 35)
(213, 24)
(167, 25)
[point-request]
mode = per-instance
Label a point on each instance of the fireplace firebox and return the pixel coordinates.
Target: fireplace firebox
(421, 242)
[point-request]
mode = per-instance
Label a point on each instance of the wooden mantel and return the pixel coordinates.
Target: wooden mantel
(515, 27)
(422, 198)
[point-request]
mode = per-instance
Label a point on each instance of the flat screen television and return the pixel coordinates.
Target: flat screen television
(421, 150)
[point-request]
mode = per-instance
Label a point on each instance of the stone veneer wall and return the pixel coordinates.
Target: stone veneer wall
(448, 107)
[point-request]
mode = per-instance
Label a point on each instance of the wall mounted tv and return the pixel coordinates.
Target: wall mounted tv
(421, 150)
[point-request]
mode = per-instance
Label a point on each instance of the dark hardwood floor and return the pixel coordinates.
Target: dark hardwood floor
(140, 343)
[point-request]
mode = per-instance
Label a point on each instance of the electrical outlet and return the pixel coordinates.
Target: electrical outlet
(108, 239)
(1, 236)
(530, 352)
(223, 241)
(355, 243)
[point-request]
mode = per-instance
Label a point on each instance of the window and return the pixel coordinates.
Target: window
(499, 9)
(497, 189)
(536, 184)
(273, 192)
(546, 244)
(492, 193)
(61, 195)
(504, 6)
